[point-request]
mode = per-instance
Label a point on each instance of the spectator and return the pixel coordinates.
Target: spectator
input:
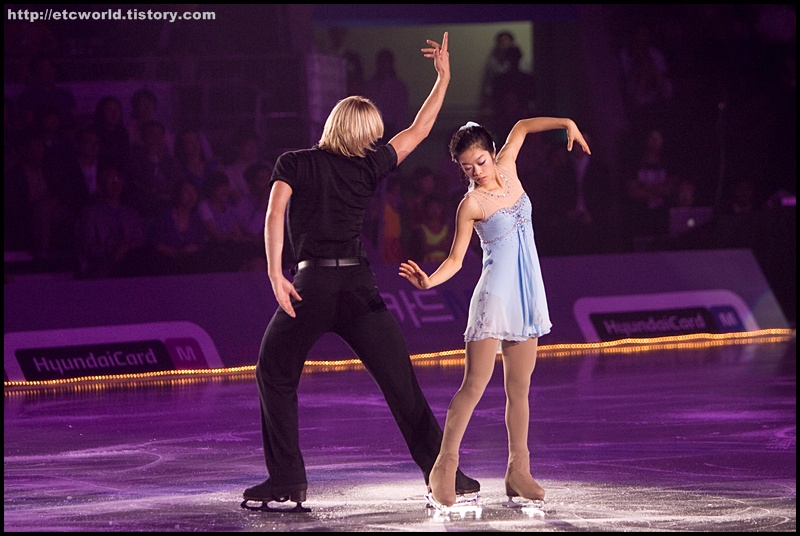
(650, 186)
(496, 63)
(144, 108)
(354, 69)
(685, 194)
(111, 131)
(513, 94)
(81, 166)
(57, 141)
(390, 244)
(28, 38)
(434, 234)
(579, 203)
(41, 91)
(154, 173)
(193, 162)
(742, 199)
(11, 135)
(246, 153)
(229, 246)
(40, 220)
(179, 238)
(425, 182)
(648, 87)
(252, 208)
(389, 93)
(111, 234)
(59, 149)
(253, 213)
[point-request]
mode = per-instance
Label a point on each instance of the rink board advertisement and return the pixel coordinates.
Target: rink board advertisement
(63, 328)
(107, 351)
(609, 318)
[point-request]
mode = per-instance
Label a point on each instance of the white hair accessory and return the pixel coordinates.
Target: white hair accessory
(469, 124)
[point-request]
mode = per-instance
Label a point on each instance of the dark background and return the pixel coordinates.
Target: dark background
(732, 115)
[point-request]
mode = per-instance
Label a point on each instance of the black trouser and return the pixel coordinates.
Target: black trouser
(345, 301)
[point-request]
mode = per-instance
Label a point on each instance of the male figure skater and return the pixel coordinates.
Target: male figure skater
(319, 197)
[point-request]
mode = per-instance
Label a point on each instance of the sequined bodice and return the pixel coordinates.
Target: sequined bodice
(502, 213)
(505, 221)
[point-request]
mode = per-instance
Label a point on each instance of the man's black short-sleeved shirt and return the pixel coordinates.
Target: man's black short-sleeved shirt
(330, 196)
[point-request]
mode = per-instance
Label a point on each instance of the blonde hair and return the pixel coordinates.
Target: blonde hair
(352, 127)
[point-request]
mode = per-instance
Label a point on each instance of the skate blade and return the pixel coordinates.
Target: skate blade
(468, 497)
(463, 508)
(529, 507)
(272, 506)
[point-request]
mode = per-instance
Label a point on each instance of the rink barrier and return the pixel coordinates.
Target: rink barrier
(65, 329)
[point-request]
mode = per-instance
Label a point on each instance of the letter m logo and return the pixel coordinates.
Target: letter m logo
(727, 319)
(186, 353)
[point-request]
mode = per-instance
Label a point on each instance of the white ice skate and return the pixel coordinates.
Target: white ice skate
(529, 507)
(466, 507)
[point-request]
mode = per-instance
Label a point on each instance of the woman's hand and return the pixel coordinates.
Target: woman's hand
(574, 135)
(411, 271)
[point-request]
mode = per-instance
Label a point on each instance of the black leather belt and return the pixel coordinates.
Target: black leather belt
(331, 263)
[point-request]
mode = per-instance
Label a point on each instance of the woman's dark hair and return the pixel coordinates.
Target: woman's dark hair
(469, 135)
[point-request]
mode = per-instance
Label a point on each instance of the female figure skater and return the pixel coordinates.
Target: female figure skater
(508, 310)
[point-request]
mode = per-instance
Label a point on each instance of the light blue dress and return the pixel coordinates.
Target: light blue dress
(509, 301)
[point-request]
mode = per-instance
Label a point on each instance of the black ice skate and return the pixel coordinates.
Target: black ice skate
(466, 486)
(266, 493)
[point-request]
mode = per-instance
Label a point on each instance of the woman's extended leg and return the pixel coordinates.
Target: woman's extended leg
(478, 368)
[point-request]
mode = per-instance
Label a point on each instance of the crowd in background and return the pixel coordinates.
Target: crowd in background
(110, 196)
(710, 99)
